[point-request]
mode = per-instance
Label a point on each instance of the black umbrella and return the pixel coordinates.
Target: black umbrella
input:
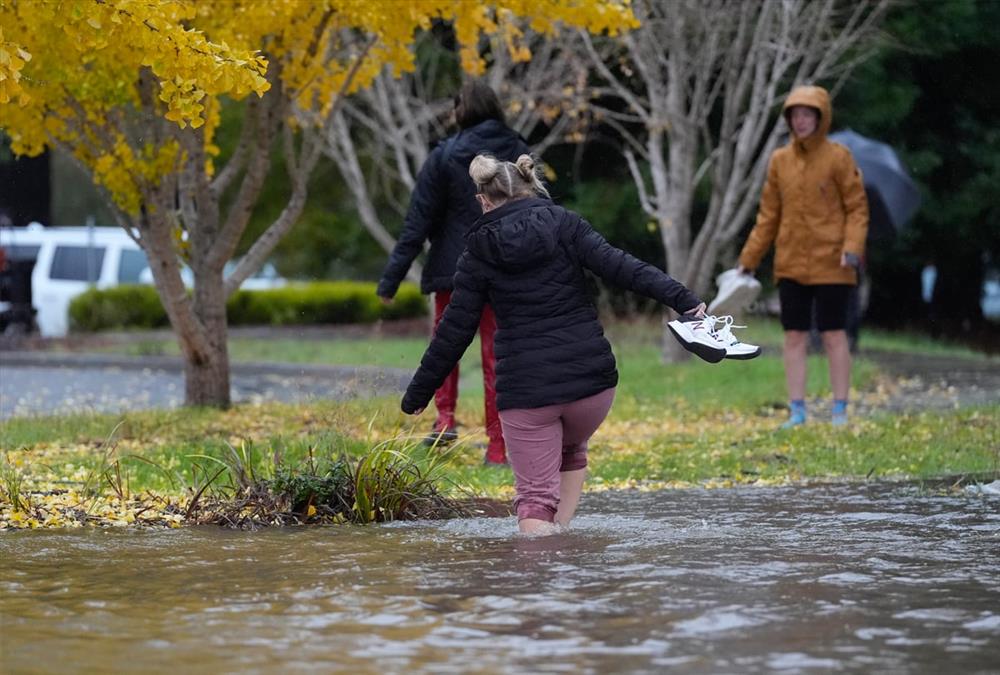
(893, 198)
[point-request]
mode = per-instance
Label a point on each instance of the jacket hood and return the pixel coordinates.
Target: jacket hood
(518, 235)
(492, 136)
(814, 97)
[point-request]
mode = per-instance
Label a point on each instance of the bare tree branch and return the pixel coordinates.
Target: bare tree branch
(382, 136)
(300, 168)
(224, 178)
(267, 123)
(620, 89)
(640, 183)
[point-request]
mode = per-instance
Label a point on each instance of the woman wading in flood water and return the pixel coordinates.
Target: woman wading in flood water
(556, 374)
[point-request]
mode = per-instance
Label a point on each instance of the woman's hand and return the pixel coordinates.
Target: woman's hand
(698, 311)
(417, 411)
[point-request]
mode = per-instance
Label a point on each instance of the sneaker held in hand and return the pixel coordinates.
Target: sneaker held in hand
(736, 292)
(735, 349)
(698, 337)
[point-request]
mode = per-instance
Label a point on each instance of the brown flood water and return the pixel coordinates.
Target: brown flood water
(819, 579)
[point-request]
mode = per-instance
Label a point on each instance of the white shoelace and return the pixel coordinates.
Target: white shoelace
(725, 333)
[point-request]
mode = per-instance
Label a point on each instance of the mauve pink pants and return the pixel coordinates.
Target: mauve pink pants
(542, 442)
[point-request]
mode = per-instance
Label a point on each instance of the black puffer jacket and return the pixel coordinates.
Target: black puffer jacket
(527, 259)
(443, 205)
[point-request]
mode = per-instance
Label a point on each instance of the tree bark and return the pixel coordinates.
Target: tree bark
(206, 382)
(207, 371)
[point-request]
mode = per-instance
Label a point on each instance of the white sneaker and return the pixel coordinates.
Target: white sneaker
(722, 330)
(697, 336)
(736, 292)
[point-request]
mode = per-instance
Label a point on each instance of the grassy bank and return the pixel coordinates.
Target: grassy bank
(679, 425)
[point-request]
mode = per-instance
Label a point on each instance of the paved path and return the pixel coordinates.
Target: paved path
(926, 382)
(41, 383)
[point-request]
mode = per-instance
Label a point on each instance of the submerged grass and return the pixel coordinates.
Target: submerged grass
(392, 481)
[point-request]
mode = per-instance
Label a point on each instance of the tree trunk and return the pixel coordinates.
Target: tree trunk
(198, 320)
(207, 370)
(206, 381)
(678, 251)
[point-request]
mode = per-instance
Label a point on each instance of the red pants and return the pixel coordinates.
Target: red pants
(446, 397)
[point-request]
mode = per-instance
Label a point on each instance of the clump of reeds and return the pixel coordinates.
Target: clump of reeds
(12, 486)
(395, 480)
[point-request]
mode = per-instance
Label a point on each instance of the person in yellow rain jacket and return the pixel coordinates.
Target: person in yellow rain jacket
(813, 208)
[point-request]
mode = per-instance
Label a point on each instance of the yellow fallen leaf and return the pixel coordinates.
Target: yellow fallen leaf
(311, 511)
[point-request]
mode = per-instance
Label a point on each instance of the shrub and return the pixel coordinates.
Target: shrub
(116, 308)
(321, 302)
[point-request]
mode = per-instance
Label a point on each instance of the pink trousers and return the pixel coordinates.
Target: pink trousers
(542, 442)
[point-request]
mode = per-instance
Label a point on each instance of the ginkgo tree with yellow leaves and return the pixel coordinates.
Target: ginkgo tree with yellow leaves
(132, 89)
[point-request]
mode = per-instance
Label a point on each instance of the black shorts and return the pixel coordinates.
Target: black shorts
(797, 305)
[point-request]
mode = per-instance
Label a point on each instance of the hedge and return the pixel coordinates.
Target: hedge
(118, 307)
(321, 302)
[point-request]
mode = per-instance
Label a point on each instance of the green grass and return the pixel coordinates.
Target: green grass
(682, 423)
(405, 352)
(690, 421)
(729, 384)
(172, 454)
(645, 382)
(766, 331)
(375, 351)
(163, 449)
(383, 352)
(644, 379)
(922, 445)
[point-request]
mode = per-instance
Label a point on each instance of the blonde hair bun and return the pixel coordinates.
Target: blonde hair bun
(526, 166)
(483, 169)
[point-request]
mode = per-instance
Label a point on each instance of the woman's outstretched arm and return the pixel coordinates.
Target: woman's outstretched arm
(626, 271)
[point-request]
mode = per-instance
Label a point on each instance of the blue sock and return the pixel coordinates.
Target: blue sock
(796, 414)
(840, 406)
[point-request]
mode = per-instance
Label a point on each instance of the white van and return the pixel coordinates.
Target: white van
(69, 260)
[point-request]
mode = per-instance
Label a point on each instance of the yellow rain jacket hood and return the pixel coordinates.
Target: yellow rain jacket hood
(813, 205)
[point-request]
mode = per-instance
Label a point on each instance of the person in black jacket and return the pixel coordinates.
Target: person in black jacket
(556, 373)
(442, 208)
